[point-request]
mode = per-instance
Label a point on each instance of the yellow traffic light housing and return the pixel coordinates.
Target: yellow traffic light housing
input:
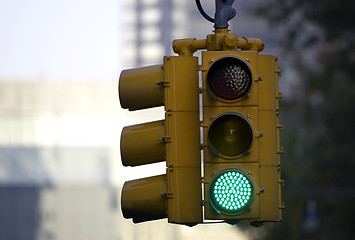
(241, 137)
(139, 88)
(239, 123)
(142, 199)
(176, 195)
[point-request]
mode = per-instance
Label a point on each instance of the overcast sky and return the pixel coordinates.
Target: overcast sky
(59, 39)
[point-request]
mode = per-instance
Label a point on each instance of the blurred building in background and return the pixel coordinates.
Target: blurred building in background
(60, 169)
(57, 161)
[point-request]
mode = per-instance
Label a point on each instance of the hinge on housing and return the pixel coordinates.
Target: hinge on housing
(164, 139)
(163, 83)
(201, 90)
(203, 146)
(167, 195)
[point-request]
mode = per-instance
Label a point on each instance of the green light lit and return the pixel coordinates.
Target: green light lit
(231, 191)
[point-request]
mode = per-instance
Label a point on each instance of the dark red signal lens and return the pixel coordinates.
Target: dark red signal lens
(229, 78)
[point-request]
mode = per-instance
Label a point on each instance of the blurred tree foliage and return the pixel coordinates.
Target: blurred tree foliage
(319, 119)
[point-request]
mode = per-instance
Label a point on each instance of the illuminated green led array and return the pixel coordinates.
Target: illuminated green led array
(231, 191)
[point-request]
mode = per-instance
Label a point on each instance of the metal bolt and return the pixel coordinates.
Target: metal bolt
(261, 133)
(262, 190)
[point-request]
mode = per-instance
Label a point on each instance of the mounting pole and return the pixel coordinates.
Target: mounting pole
(224, 13)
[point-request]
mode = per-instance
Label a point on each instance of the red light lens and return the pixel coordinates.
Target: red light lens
(229, 78)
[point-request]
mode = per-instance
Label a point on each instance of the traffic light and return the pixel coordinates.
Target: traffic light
(237, 117)
(241, 137)
(177, 194)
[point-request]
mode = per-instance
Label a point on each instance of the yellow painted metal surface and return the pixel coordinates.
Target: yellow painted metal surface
(178, 194)
(181, 84)
(183, 146)
(143, 143)
(139, 88)
(142, 199)
(221, 40)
